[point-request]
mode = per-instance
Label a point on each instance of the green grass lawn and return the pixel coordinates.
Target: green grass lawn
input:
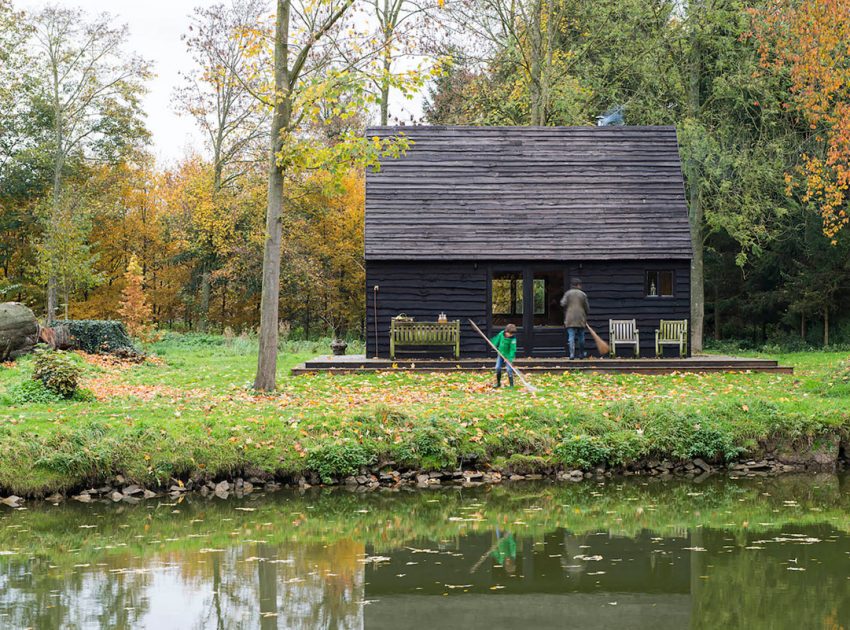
(189, 410)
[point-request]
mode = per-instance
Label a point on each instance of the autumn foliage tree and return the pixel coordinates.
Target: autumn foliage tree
(808, 40)
(135, 311)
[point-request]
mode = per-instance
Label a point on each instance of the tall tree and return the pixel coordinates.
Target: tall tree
(402, 28)
(539, 40)
(219, 96)
(310, 74)
(808, 40)
(13, 78)
(90, 88)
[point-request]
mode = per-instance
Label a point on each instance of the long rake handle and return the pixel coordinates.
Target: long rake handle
(528, 385)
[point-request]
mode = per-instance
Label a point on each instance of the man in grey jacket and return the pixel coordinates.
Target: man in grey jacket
(575, 306)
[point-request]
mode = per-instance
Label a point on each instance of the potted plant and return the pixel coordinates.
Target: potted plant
(338, 346)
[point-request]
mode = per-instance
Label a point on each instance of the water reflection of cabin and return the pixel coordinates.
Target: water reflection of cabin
(652, 581)
(491, 223)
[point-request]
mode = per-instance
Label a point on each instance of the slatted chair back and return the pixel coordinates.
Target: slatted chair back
(672, 332)
(623, 332)
(411, 334)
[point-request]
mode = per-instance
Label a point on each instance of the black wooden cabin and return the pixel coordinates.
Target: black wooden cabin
(491, 223)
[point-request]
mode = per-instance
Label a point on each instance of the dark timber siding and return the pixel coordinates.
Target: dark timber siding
(515, 193)
(461, 289)
(423, 291)
(616, 291)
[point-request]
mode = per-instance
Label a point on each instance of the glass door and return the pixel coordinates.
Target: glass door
(507, 304)
(548, 335)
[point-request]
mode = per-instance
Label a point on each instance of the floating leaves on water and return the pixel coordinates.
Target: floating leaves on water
(244, 509)
(374, 559)
(496, 587)
(694, 548)
(458, 585)
(799, 539)
(587, 558)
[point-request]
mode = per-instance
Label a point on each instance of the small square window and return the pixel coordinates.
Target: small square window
(659, 284)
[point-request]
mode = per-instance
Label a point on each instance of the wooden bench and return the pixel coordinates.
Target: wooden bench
(623, 332)
(411, 334)
(672, 332)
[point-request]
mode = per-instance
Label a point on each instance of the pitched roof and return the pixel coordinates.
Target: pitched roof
(526, 193)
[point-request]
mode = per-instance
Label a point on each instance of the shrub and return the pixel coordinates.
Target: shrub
(57, 371)
(31, 392)
(431, 447)
(582, 451)
(341, 459)
(97, 336)
(712, 443)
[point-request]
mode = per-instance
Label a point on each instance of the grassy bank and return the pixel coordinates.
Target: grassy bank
(188, 411)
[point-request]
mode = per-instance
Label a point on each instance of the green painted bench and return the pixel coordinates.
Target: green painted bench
(408, 333)
(672, 332)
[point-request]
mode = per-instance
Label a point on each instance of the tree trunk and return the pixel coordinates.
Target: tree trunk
(825, 326)
(18, 330)
(387, 63)
(267, 357)
(58, 165)
(695, 210)
(52, 298)
(716, 313)
(803, 326)
(205, 299)
(535, 83)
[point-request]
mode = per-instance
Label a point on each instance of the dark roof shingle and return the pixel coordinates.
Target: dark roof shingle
(514, 193)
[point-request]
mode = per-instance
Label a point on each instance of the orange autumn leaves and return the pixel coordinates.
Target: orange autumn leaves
(465, 396)
(808, 39)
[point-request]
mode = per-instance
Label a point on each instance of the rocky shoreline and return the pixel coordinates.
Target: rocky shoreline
(828, 457)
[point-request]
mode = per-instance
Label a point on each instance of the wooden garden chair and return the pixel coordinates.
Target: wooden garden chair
(623, 332)
(672, 332)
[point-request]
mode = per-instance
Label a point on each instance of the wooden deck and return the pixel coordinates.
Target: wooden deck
(699, 364)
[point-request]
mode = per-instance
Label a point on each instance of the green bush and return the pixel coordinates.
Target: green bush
(431, 447)
(711, 442)
(31, 391)
(341, 459)
(57, 371)
(582, 451)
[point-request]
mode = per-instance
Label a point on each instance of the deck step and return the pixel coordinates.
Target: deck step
(350, 365)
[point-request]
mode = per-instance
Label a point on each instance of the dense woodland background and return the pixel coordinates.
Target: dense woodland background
(92, 227)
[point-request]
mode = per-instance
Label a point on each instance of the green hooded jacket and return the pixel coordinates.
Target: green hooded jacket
(505, 345)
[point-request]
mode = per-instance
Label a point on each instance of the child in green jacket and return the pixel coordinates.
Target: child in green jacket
(505, 343)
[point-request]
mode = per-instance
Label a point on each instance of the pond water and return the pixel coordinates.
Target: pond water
(726, 553)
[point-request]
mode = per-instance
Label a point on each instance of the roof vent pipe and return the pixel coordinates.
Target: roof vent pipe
(613, 116)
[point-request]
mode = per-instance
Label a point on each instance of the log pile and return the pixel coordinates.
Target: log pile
(18, 330)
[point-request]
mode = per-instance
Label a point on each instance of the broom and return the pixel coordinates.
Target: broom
(603, 347)
(527, 385)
